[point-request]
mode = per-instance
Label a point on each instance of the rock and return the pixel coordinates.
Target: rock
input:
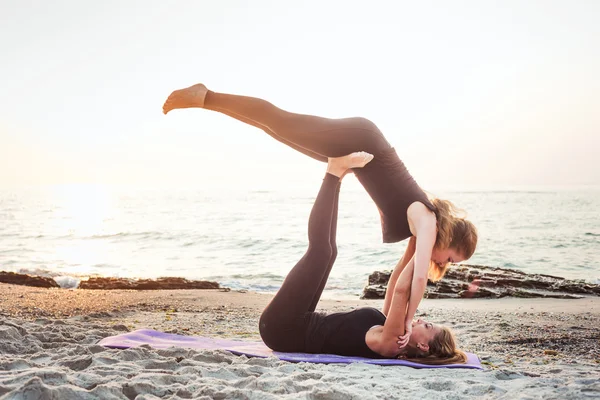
(374, 292)
(478, 281)
(379, 278)
(27, 280)
(167, 283)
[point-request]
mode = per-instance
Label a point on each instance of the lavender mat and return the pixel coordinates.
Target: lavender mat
(161, 340)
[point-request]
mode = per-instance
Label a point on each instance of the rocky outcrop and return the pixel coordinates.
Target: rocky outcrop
(167, 283)
(27, 280)
(477, 281)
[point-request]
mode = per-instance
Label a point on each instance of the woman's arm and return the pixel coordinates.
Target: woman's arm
(426, 232)
(384, 340)
(408, 254)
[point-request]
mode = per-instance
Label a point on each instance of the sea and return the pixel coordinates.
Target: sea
(249, 239)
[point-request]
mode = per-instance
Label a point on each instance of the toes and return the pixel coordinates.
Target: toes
(172, 97)
(362, 158)
(367, 157)
(169, 103)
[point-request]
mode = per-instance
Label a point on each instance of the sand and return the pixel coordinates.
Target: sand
(531, 348)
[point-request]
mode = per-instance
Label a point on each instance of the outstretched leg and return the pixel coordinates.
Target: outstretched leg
(283, 322)
(332, 241)
(314, 136)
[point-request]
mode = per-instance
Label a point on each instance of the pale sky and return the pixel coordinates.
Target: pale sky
(469, 92)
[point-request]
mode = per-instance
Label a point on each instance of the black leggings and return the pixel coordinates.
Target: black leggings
(316, 137)
(284, 322)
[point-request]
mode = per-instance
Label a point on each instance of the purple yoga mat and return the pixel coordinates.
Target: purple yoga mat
(161, 340)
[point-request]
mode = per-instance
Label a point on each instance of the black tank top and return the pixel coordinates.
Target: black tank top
(393, 190)
(343, 333)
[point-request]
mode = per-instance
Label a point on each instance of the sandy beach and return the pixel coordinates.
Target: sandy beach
(530, 348)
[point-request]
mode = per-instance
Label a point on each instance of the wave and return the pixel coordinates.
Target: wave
(502, 191)
(18, 250)
(147, 234)
(67, 282)
(261, 243)
(152, 235)
(264, 275)
(46, 273)
(118, 235)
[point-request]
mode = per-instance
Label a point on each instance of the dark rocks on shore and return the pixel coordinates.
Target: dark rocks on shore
(477, 281)
(27, 280)
(167, 283)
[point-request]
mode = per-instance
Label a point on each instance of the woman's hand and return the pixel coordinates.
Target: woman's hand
(403, 340)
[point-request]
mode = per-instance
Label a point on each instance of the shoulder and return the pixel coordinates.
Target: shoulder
(420, 208)
(421, 219)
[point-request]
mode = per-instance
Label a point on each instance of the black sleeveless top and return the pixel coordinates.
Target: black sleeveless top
(393, 190)
(343, 333)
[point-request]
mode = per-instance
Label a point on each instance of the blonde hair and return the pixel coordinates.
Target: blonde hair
(442, 350)
(453, 231)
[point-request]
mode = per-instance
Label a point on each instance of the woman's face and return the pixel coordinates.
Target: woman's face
(423, 332)
(442, 257)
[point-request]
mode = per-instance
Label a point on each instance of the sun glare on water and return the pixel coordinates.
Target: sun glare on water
(82, 211)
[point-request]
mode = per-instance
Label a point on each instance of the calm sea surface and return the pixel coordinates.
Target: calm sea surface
(251, 239)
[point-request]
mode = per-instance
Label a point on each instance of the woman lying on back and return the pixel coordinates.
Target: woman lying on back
(289, 323)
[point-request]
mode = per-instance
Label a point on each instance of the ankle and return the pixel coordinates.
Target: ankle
(336, 170)
(207, 95)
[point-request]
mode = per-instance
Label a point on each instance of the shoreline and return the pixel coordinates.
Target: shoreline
(28, 295)
(537, 347)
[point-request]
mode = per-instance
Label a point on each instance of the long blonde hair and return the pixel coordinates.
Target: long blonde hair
(442, 350)
(453, 231)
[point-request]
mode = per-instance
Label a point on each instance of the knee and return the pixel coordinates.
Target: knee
(333, 255)
(321, 250)
(365, 123)
(374, 140)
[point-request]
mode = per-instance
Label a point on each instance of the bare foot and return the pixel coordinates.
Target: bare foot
(340, 166)
(192, 96)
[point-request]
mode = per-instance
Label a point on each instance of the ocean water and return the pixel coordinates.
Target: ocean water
(250, 239)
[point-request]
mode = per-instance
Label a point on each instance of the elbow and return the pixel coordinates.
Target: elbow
(402, 289)
(379, 347)
(388, 351)
(405, 287)
(420, 281)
